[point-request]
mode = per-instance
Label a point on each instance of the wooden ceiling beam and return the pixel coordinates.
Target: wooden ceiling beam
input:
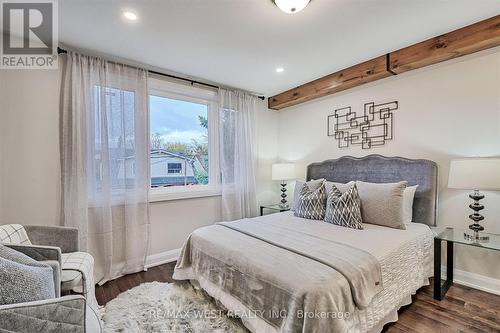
(473, 38)
(356, 75)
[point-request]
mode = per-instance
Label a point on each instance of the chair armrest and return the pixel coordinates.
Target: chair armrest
(63, 237)
(63, 314)
(38, 252)
(56, 273)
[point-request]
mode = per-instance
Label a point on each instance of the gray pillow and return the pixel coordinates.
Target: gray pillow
(23, 279)
(313, 185)
(311, 204)
(382, 204)
(344, 209)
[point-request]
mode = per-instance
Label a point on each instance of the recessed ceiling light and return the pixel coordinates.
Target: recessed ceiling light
(291, 6)
(280, 70)
(131, 16)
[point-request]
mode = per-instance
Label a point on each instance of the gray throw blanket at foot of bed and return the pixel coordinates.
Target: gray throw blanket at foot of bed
(279, 279)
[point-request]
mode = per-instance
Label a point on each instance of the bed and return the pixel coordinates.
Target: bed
(281, 273)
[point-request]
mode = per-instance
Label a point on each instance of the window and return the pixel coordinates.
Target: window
(174, 167)
(183, 137)
(113, 124)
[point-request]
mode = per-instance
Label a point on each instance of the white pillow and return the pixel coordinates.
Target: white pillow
(408, 196)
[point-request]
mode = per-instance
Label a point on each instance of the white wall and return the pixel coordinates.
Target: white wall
(30, 186)
(30, 172)
(172, 221)
(3, 89)
(266, 131)
(447, 110)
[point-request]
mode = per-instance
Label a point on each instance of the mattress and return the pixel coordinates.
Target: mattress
(405, 256)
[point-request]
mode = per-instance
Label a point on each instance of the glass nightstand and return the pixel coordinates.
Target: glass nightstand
(275, 208)
(451, 236)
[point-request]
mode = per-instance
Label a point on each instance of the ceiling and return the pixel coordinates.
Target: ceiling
(240, 43)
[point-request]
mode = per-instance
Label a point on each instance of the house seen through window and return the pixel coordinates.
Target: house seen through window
(179, 142)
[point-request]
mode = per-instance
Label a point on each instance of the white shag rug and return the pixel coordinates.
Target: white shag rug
(167, 307)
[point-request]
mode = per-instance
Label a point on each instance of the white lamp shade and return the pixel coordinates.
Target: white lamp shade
(283, 171)
(475, 174)
(291, 6)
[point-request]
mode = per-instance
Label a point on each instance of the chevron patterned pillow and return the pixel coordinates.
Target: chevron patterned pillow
(311, 204)
(344, 209)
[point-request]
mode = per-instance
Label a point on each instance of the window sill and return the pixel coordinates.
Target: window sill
(159, 195)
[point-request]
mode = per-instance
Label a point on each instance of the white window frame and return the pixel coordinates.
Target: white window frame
(171, 90)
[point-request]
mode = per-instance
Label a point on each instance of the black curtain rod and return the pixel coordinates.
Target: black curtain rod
(62, 51)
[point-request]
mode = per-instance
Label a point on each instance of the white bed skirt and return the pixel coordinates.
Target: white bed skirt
(392, 316)
(257, 325)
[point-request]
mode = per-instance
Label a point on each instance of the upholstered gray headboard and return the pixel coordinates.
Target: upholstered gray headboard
(381, 169)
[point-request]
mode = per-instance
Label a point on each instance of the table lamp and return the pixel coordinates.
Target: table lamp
(475, 174)
(283, 172)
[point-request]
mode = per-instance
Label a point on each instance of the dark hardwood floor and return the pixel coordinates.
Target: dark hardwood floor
(111, 289)
(462, 310)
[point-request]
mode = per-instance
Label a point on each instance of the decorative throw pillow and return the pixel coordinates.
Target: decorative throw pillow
(382, 204)
(408, 196)
(23, 279)
(340, 186)
(313, 185)
(311, 204)
(344, 209)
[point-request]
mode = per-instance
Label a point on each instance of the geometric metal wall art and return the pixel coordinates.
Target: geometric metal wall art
(370, 129)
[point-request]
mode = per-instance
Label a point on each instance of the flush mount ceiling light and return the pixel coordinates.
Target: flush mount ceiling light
(280, 70)
(131, 16)
(291, 6)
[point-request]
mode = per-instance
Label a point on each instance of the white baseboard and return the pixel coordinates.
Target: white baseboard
(162, 258)
(474, 280)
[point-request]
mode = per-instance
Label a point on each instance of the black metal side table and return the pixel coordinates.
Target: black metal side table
(452, 236)
(276, 208)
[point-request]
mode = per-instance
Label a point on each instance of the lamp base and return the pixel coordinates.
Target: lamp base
(283, 203)
(475, 237)
(476, 218)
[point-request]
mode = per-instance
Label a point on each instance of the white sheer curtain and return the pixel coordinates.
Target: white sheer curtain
(105, 159)
(237, 112)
